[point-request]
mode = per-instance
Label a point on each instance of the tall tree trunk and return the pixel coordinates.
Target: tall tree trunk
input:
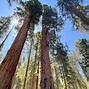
(37, 81)
(38, 63)
(52, 83)
(34, 75)
(32, 41)
(27, 65)
(8, 66)
(57, 81)
(30, 77)
(45, 62)
(64, 77)
(10, 85)
(6, 37)
(34, 78)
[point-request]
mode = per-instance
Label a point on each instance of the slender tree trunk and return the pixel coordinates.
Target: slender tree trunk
(38, 64)
(37, 81)
(34, 78)
(32, 28)
(57, 81)
(52, 83)
(64, 76)
(6, 37)
(30, 78)
(8, 66)
(45, 62)
(27, 65)
(34, 75)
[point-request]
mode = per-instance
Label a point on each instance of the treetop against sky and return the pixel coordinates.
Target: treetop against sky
(68, 34)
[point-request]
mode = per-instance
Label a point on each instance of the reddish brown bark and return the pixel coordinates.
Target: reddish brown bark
(37, 82)
(34, 78)
(52, 83)
(8, 66)
(45, 62)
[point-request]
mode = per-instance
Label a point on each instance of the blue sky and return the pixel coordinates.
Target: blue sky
(68, 36)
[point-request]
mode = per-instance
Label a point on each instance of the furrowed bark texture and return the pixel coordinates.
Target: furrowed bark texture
(8, 66)
(46, 82)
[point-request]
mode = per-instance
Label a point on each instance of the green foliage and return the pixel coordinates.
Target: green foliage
(20, 12)
(19, 76)
(50, 18)
(33, 9)
(69, 76)
(10, 1)
(4, 24)
(64, 3)
(82, 45)
(76, 12)
(53, 22)
(74, 58)
(79, 24)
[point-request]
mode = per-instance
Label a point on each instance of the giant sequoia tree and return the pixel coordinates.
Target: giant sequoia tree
(30, 11)
(50, 21)
(7, 68)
